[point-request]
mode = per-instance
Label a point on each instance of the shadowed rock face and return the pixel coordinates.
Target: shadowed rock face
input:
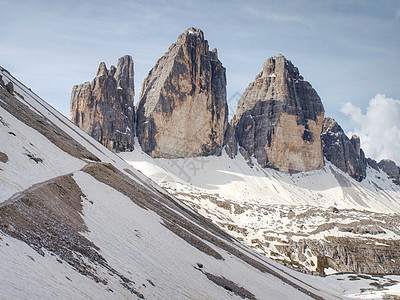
(390, 168)
(343, 152)
(182, 111)
(279, 119)
(104, 108)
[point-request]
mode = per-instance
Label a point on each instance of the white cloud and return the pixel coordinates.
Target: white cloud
(378, 128)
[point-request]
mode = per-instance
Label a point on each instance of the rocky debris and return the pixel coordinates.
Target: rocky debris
(279, 119)
(182, 111)
(104, 108)
(348, 255)
(391, 169)
(343, 152)
(10, 88)
(3, 157)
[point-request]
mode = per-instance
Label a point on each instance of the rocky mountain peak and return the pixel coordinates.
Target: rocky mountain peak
(102, 70)
(190, 35)
(279, 119)
(124, 75)
(278, 65)
(182, 111)
(104, 108)
(344, 153)
(391, 169)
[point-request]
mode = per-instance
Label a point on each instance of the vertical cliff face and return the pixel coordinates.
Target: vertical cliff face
(343, 152)
(279, 119)
(104, 108)
(182, 111)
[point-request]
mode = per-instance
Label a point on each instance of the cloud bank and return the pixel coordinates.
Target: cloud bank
(378, 128)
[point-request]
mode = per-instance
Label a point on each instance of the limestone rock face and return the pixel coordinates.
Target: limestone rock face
(279, 119)
(182, 111)
(343, 152)
(104, 108)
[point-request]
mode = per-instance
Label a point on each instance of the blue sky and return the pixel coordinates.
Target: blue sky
(348, 50)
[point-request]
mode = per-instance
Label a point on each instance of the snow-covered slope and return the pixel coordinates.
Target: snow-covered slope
(320, 221)
(78, 222)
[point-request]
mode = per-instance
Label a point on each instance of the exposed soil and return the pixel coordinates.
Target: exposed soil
(48, 216)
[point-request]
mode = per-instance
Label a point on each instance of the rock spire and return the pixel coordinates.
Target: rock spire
(104, 108)
(182, 111)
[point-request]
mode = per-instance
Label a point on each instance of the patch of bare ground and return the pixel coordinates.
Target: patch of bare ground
(3, 157)
(44, 126)
(48, 217)
(228, 285)
(181, 220)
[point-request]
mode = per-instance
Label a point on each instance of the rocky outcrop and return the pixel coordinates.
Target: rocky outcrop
(343, 152)
(182, 111)
(279, 119)
(230, 141)
(391, 169)
(104, 108)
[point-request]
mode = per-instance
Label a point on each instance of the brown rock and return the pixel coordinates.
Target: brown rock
(279, 119)
(104, 108)
(182, 111)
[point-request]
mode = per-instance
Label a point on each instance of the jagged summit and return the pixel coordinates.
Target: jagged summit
(343, 152)
(279, 119)
(104, 108)
(182, 111)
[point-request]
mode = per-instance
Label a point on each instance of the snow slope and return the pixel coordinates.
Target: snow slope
(78, 222)
(292, 218)
(233, 179)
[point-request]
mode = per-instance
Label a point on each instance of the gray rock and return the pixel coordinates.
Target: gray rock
(182, 111)
(373, 163)
(230, 141)
(390, 168)
(104, 108)
(344, 153)
(279, 119)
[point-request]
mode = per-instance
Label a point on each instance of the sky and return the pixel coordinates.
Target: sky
(348, 50)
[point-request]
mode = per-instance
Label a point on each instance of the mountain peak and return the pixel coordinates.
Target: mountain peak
(104, 108)
(182, 111)
(102, 70)
(279, 119)
(278, 65)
